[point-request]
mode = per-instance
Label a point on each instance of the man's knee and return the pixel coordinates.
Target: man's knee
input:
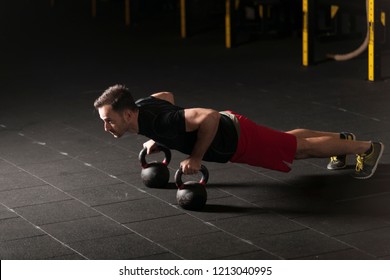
(302, 148)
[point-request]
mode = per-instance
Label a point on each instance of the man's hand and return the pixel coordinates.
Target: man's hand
(190, 166)
(151, 147)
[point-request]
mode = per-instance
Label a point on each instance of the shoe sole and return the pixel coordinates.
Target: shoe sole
(336, 168)
(375, 166)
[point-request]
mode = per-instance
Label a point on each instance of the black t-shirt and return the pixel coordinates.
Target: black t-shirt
(165, 123)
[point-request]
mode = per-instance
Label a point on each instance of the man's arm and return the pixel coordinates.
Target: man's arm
(165, 95)
(206, 122)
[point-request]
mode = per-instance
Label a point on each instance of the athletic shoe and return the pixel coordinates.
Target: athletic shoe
(366, 164)
(340, 162)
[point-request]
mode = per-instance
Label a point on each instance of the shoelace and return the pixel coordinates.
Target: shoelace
(359, 163)
(334, 159)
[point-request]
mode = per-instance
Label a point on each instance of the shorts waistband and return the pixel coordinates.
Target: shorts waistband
(234, 119)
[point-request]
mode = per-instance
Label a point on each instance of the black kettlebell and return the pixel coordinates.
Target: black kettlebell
(192, 195)
(155, 174)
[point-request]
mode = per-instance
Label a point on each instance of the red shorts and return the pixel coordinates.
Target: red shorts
(264, 147)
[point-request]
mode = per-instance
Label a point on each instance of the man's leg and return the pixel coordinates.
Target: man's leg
(327, 146)
(336, 161)
(368, 153)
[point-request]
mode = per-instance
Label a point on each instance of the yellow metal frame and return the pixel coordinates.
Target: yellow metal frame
(127, 13)
(305, 33)
(371, 42)
(93, 8)
(183, 26)
(261, 11)
(333, 10)
(383, 18)
(228, 26)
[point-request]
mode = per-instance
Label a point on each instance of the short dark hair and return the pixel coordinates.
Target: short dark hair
(118, 96)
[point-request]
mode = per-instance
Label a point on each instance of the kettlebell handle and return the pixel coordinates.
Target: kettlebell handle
(203, 180)
(166, 160)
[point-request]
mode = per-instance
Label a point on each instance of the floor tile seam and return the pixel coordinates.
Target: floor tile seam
(65, 159)
(153, 219)
(46, 233)
(22, 238)
(361, 231)
(150, 219)
(165, 240)
(155, 258)
(44, 203)
(237, 216)
(79, 241)
(68, 220)
(37, 204)
(329, 252)
(116, 202)
(60, 257)
(244, 253)
(23, 188)
(35, 163)
(8, 218)
(102, 185)
(336, 239)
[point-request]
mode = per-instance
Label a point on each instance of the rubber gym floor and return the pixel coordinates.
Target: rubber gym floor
(68, 190)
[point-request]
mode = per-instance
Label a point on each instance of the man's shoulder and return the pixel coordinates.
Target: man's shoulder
(146, 100)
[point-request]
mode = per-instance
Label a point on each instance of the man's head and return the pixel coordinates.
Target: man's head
(118, 110)
(118, 96)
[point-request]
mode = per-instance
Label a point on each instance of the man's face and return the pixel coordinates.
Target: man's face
(115, 123)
